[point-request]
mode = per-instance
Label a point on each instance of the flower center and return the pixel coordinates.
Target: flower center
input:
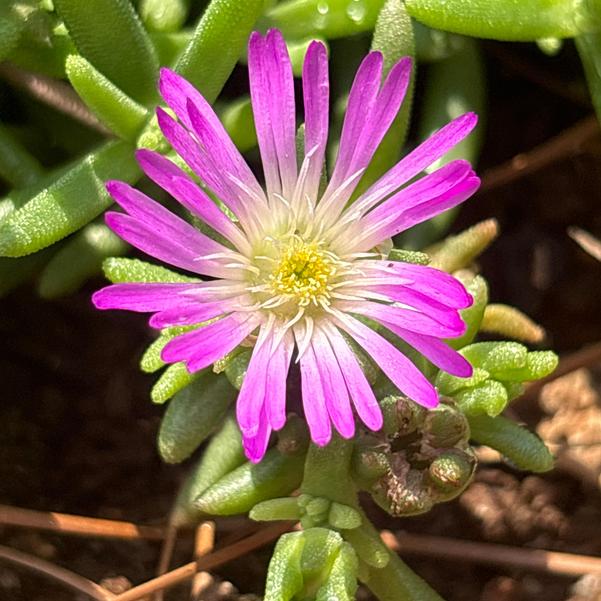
(303, 272)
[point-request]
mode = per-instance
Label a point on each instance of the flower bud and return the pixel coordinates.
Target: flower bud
(401, 416)
(451, 472)
(445, 427)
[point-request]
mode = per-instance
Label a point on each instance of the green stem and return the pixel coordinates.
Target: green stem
(327, 472)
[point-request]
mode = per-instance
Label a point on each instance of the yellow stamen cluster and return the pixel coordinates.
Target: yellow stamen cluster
(303, 273)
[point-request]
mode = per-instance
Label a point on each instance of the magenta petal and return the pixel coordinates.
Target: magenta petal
(255, 446)
(362, 99)
(161, 220)
(361, 392)
(436, 146)
(199, 161)
(272, 94)
(200, 348)
(277, 373)
(141, 297)
(403, 374)
(334, 387)
(316, 96)
(164, 248)
(175, 181)
(412, 320)
(314, 402)
(426, 280)
(435, 350)
(189, 314)
(252, 393)
(179, 94)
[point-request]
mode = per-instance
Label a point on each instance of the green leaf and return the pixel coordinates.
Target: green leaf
(458, 252)
(110, 35)
(17, 166)
(118, 270)
(393, 37)
(276, 475)
(69, 203)
(122, 115)
(517, 20)
(163, 15)
(511, 323)
(285, 508)
(171, 381)
(218, 41)
(398, 582)
(223, 454)
(523, 448)
(192, 415)
(341, 583)
(489, 398)
(343, 517)
(79, 259)
(539, 364)
(331, 19)
(239, 122)
(170, 45)
(368, 547)
(284, 575)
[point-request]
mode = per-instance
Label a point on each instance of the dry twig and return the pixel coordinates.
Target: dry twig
(53, 92)
(208, 562)
(565, 564)
(203, 544)
(564, 144)
(69, 579)
(75, 524)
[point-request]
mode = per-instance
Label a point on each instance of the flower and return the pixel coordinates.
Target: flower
(298, 269)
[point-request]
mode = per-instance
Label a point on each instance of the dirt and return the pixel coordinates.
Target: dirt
(79, 429)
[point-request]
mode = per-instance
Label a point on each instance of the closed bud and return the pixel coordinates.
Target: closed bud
(451, 471)
(445, 427)
(401, 415)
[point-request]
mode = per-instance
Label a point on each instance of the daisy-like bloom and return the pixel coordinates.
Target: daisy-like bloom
(298, 269)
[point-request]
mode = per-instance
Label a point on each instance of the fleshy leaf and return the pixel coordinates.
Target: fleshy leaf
(524, 449)
(109, 34)
(69, 203)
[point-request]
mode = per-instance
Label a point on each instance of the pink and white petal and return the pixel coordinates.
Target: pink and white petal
(316, 96)
(259, 93)
(403, 374)
(253, 391)
(255, 446)
(194, 312)
(277, 374)
(436, 351)
(410, 319)
(140, 297)
(176, 182)
(228, 164)
(444, 202)
(378, 121)
(164, 222)
(164, 248)
(199, 161)
(363, 397)
(362, 99)
(379, 231)
(437, 309)
(427, 280)
(204, 346)
(314, 402)
(334, 386)
(436, 146)
(178, 93)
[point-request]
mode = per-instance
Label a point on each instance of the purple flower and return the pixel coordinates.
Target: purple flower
(300, 269)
